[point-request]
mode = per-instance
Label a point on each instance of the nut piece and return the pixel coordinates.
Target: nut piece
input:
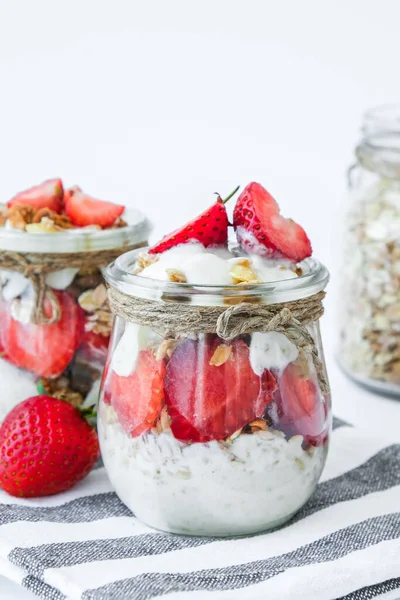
(20, 215)
(42, 220)
(46, 225)
(165, 349)
(243, 273)
(60, 388)
(234, 435)
(118, 224)
(144, 260)
(60, 221)
(95, 302)
(100, 322)
(258, 425)
(221, 355)
(100, 295)
(164, 422)
(176, 276)
(74, 398)
(3, 216)
(92, 300)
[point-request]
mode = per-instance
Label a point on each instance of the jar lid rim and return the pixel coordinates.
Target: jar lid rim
(120, 276)
(79, 240)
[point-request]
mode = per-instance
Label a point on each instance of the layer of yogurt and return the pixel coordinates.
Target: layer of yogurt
(270, 350)
(16, 288)
(241, 487)
(214, 266)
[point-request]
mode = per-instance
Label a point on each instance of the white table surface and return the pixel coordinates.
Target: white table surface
(159, 104)
(350, 402)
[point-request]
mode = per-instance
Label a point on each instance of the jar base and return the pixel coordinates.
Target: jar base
(382, 388)
(277, 524)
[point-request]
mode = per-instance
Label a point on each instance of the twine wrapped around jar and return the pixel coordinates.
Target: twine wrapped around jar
(35, 266)
(289, 318)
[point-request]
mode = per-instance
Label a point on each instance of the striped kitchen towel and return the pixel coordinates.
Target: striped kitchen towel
(345, 543)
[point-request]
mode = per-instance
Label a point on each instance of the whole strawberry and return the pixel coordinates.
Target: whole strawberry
(46, 447)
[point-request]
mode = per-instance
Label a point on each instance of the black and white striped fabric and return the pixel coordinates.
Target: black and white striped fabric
(345, 543)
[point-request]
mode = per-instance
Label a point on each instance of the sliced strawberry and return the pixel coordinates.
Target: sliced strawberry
(70, 192)
(45, 350)
(138, 398)
(210, 228)
(257, 213)
(209, 402)
(183, 430)
(83, 210)
(48, 194)
(301, 406)
(94, 348)
(106, 381)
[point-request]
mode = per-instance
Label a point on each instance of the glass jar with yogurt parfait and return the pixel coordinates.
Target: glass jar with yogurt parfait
(370, 297)
(55, 320)
(214, 414)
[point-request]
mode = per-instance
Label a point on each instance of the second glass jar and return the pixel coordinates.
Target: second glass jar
(370, 294)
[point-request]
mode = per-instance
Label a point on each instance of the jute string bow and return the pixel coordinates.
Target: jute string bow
(37, 265)
(289, 318)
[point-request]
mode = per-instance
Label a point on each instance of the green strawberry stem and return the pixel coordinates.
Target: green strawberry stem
(89, 412)
(40, 388)
(225, 200)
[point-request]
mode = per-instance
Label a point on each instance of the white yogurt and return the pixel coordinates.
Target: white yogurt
(134, 339)
(212, 266)
(252, 484)
(22, 307)
(60, 280)
(271, 350)
(14, 284)
(248, 241)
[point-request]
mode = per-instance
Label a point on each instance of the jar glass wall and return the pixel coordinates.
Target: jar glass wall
(370, 296)
(197, 436)
(61, 352)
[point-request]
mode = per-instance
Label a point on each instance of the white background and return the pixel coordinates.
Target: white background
(158, 104)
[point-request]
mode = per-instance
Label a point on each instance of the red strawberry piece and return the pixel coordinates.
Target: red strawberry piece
(257, 213)
(301, 406)
(45, 350)
(209, 402)
(94, 348)
(48, 194)
(106, 384)
(138, 398)
(210, 228)
(46, 447)
(70, 192)
(83, 210)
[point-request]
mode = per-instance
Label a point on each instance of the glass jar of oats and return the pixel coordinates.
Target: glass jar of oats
(370, 295)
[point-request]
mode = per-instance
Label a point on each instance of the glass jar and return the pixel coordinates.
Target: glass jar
(370, 295)
(63, 351)
(197, 436)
